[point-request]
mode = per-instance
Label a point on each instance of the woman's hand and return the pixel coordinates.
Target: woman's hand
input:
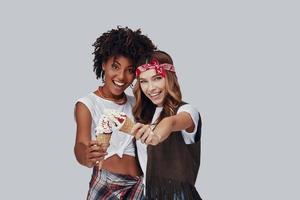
(145, 134)
(178, 122)
(94, 152)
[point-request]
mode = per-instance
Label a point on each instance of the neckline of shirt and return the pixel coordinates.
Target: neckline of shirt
(106, 100)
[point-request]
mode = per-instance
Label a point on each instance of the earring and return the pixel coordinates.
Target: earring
(103, 77)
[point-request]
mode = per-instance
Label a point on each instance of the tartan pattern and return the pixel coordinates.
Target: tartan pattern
(105, 185)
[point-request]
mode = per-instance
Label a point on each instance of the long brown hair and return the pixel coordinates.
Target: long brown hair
(144, 109)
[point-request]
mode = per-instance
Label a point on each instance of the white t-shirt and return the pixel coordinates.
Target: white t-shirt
(120, 143)
(189, 138)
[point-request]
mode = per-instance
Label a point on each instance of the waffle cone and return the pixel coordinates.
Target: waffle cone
(127, 126)
(104, 138)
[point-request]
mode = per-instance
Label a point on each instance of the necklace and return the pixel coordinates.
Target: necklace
(120, 101)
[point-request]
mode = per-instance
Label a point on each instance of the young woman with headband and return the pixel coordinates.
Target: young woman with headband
(168, 131)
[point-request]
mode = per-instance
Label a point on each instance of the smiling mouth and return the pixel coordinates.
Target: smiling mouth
(119, 84)
(153, 95)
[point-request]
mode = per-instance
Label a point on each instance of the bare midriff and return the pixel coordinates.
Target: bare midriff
(127, 165)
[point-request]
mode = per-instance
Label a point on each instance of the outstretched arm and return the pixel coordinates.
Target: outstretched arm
(178, 122)
(88, 152)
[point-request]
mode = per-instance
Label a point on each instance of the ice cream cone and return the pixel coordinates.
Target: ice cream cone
(120, 120)
(104, 138)
(127, 126)
(103, 134)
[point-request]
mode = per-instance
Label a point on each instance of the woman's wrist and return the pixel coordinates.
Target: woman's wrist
(158, 136)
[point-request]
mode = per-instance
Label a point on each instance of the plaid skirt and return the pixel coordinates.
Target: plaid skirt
(106, 185)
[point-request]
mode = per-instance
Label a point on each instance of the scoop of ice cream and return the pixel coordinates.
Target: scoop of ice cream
(104, 126)
(117, 117)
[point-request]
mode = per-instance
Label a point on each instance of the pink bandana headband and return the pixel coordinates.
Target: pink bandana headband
(154, 64)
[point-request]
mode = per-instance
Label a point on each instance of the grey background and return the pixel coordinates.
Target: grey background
(237, 62)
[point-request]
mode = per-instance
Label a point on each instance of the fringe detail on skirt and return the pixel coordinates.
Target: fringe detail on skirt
(168, 189)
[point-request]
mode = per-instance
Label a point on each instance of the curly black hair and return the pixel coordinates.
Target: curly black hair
(120, 42)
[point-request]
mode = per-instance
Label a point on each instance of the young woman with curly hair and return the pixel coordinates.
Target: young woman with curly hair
(168, 131)
(116, 54)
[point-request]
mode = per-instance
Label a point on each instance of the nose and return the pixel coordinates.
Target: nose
(151, 86)
(121, 75)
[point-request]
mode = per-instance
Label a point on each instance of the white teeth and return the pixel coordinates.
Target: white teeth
(119, 83)
(153, 95)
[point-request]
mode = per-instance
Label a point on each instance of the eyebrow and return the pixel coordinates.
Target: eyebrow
(156, 75)
(115, 61)
(152, 76)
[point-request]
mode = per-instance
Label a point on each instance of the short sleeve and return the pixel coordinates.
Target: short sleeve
(87, 102)
(189, 138)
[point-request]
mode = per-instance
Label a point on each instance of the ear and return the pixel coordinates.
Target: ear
(103, 67)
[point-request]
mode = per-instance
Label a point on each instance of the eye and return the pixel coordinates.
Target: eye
(157, 78)
(114, 66)
(142, 81)
(131, 71)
